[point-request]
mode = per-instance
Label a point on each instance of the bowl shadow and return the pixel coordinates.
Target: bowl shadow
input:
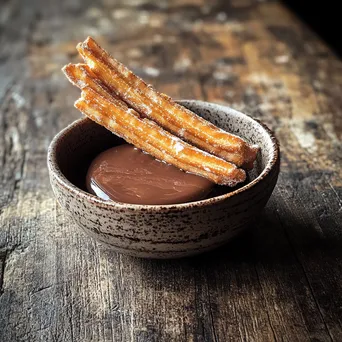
(273, 243)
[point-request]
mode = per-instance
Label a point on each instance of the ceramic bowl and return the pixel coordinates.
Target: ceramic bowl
(161, 231)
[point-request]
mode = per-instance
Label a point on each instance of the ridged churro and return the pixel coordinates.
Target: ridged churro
(163, 110)
(154, 140)
(81, 76)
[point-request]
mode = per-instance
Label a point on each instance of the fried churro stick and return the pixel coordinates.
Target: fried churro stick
(162, 109)
(81, 76)
(154, 140)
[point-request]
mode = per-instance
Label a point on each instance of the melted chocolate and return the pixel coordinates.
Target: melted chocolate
(125, 174)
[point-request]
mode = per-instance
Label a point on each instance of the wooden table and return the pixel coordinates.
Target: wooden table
(279, 281)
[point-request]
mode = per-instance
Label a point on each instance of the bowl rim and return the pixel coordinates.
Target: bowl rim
(63, 181)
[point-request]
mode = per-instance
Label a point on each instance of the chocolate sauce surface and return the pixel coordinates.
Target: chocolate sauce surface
(125, 174)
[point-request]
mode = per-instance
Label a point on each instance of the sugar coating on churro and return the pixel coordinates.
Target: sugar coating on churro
(156, 141)
(119, 100)
(162, 109)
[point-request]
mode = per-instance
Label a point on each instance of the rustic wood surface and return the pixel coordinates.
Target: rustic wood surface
(280, 281)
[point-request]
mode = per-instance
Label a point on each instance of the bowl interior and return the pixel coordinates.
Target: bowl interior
(241, 125)
(79, 144)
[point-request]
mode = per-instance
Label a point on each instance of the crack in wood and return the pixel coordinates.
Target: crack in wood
(212, 322)
(312, 293)
(5, 253)
(265, 303)
(3, 256)
(3, 109)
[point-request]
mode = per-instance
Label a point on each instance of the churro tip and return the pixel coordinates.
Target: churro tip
(255, 148)
(78, 104)
(87, 42)
(79, 46)
(88, 39)
(65, 68)
(238, 176)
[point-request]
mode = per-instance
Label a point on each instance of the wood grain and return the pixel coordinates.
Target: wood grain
(280, 281)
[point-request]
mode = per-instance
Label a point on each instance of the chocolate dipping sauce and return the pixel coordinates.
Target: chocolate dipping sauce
(125, 174)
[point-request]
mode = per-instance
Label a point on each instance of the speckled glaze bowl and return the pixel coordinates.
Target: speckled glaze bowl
(161, 231)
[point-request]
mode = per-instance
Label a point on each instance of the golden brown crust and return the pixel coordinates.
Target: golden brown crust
(162, 109)
(154, 140)
(81, 76)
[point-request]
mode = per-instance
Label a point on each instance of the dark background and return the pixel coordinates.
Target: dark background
(323, 17)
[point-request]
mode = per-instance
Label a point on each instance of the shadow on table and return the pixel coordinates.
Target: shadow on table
(277, 243)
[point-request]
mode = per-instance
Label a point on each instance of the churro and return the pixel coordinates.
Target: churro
(163, 110)
(81, 76)
(154, 140)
